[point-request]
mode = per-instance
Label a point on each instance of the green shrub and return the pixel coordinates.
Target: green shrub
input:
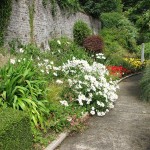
(121, 28)
(15, 131)
(80, 32)
(146, 50)
(64, 49)
(145, 84)
(31, 50)
(111, 41)
(95, 7)
(71, 5)
(94, 44)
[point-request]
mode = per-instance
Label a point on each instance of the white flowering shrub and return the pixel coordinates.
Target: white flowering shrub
(90, 85)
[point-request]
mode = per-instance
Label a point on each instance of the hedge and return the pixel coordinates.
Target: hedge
(15, 130)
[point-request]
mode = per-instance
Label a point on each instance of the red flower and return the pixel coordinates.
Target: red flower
(118, 71)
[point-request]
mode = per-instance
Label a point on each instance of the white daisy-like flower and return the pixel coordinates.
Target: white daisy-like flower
(42, 70)
(64, 102)
(51, 62)
(12, 61)
(55, 74)
(59, 82)
(58, 42)
(21, 50)
(92, 112)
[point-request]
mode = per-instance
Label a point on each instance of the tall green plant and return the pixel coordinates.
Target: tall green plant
(123, 31)
(80, 32)
(23, 88)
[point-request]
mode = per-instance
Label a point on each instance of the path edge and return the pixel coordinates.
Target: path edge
(54, 144)
(133, 74)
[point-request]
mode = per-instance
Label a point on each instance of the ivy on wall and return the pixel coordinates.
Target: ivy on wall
(70, 5)
(31, 20)
(5, 13)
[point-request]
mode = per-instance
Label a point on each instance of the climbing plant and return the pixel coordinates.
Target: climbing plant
(5, 12)
(70, 5)
(31, 21)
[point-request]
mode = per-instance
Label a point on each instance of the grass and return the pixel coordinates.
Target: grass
(145, 84)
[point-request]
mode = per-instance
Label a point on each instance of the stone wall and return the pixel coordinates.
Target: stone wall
(45, 25)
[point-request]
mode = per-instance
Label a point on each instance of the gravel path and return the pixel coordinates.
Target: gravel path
(126, 127)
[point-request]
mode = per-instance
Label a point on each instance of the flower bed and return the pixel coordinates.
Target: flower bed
(135, 64)
(118, 71)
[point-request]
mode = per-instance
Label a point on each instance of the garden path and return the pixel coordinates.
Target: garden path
(126, 127)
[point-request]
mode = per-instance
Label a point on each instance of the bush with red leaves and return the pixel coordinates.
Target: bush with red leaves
(94, 44)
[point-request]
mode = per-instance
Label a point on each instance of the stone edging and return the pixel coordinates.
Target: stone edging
(129, 76)
(63, 135)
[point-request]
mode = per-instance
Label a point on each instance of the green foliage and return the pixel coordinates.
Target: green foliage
(31, 20)
(15, 130)
(31, 50)
(71, 5)
(14, 44)
(116, 59)
(23, 88)
(45, 2)
(145, 84)
(5, 12)
(146, 50)
(138, 12)
(64, 49)
(111, 41)
(80, 32)
(121, 28)
(95, 8)
(143, 23)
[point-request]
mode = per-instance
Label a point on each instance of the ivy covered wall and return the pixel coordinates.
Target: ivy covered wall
(5, 13)
(31, 21)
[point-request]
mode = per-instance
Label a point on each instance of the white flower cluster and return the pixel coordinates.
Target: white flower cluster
(48, 67)
(100, 56)
(91, 85)
(15, 60)
(64, 102)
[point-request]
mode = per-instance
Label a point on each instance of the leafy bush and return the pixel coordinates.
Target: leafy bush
(145, 84)
(138, 12)
(64, 49)
(121, 28)
(95, 8)
(71, 5)
(143, 23)
(31, 50)
(146, 50)
(94, 44)
(15, 130)
(23, 88)
(80, 32)
(111, 42)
